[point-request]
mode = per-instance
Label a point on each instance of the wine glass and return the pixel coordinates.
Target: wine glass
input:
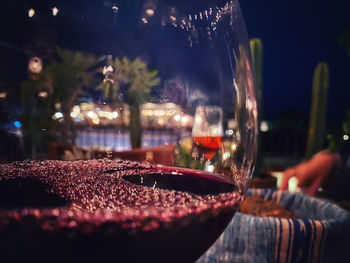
(207, 131)
(169, 82)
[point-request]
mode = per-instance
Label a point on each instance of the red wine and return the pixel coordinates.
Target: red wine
(104, 211)
(181, 180)
(190, 236)
(208, 145)
(209, 142)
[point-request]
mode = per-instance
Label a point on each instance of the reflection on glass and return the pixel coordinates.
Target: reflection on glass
(207, 130)
(168, 82)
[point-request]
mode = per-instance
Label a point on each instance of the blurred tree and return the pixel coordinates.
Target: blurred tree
(346, 123)
(60, 83)
(256, 49)
(344, 40)
(317, 127)
(67, 78)
(138, 81)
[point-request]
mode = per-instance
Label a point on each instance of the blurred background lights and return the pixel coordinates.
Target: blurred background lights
(43, 94)
(346, 137)
(150, 12)
(96, 121)
(226, 155)
(229, 132)
(74, 114)
(107, 69)
(210, 168)
(31, 12)
(55, 11)
(92, 115)
(115, 8)
(264, 127)
(233, 147)
(35, 65)
(115, 114)
(293, 185)
(17, 124)
(57, 116)
(177, 117)
(184, 120)
(3, 95)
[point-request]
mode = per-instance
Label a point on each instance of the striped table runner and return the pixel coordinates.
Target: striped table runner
(322, 234)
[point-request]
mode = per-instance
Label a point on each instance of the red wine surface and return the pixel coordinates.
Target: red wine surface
(136, 212)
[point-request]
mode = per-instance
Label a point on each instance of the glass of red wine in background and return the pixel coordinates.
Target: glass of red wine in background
(207, 130)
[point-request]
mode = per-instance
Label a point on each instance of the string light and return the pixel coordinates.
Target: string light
(35, 65)
(55, 11)
(107, 69)
(3, 95)
(31, 12)
(150, 12)
(115, 8)
(43, 94)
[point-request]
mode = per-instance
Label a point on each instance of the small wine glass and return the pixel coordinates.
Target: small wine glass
(207, 130)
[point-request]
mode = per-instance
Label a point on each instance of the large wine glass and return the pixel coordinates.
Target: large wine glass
(168, 82)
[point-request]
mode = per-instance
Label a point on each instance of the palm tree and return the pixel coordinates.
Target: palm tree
(63, 80)
(139, 81)
(68, 78)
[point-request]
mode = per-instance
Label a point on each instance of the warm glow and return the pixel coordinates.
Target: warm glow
(150, 12)
(86, 106)
(96, 121)
(115, 8)
(107, 69)
(161, 121)
(43, 94)
(115, 114)
(226, 155)
(35, 65)
(184, 120)
(177, 117)
(173, 18)
(144, 20)
(234, 147)
(148, 113)
(279, 176)
(159, 113)
(210, 168)
(76, 109)
(92, 115)
(293, 185)
(198, 119)
(3, 95)
(31, 12)
(55, 11)
(264, 127)
(57, 115)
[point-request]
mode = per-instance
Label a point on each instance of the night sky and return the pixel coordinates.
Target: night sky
(296, 36)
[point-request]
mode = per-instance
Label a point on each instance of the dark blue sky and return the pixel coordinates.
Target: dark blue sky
(296, 36)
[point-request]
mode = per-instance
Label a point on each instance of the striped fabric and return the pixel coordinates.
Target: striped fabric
(322, 234)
